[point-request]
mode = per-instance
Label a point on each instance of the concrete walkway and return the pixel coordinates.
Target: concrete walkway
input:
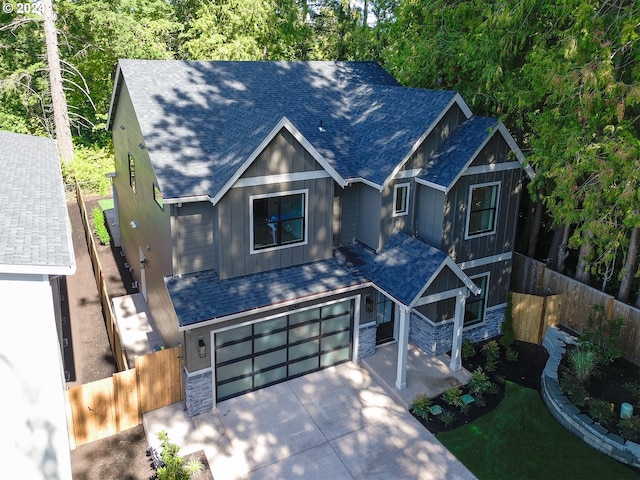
(338, 423)
(425, 373)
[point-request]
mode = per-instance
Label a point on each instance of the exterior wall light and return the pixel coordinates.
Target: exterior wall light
(133, 224)
(202, 348)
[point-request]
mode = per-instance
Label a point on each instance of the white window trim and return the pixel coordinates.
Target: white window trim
(397, 187)
(468, 236)
(305, 191)
(486, 296)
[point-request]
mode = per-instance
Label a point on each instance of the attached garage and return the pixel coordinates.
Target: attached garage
(256, 355)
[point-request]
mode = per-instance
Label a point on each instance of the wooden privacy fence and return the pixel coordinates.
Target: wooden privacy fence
(115, 339)
(105, 407)
(543, 297)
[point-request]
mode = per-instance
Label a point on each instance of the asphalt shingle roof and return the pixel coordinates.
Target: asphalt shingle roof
(457, 150)
(202, 296)
(201, 120)
(34, 222)
(402, 268)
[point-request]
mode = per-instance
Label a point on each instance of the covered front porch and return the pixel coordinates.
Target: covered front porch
(425, 373)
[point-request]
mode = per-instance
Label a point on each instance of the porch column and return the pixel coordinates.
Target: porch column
(403, 346)
(456, 342)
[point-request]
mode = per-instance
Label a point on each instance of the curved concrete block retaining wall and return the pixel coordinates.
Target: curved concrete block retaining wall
(568, 414)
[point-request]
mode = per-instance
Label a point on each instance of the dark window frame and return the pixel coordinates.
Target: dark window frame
(279, 223)
(132, 173)
(477, 209)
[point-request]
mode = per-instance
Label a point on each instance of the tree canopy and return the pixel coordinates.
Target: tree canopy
(564, 77)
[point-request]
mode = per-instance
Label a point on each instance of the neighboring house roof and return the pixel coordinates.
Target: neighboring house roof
(403, 269)
(202, 120)
(35, 233)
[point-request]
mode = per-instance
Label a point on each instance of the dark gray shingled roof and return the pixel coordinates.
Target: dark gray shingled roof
(201, 120)
(453, 155)
(203, 296)
(34, 222)
(402, 269)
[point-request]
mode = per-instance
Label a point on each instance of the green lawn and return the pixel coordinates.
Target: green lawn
(106, 204)
(521, 440)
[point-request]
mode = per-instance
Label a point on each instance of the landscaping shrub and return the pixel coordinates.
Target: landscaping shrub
(420, 406)
(574, 390)
(99, 226)
(479, 383)
(601, 335)
(452, 396)
(511, 355)
(634, 389)
(468, 349)
(491, 352)
(600, 411)
(630, 428)
(175, 468)
(447, 417)
(583, 363)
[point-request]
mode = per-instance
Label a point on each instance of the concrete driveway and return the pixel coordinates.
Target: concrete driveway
(336, 424)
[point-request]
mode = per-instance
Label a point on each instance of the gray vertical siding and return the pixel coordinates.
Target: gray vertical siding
(369, 206)
(283, 155)
(153, 234)
(456, 208)
(349, 214)
(429, 214)
(194, 237)
(390, 224)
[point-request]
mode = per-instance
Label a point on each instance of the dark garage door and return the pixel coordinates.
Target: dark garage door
(264, 353)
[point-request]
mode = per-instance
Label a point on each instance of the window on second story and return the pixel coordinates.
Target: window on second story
(132, 173)
(483, 206)
(400, 199)
(157, 196)
(475, 305)
(278, 220)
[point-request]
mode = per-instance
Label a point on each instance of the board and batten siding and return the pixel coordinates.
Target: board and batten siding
(349, 213)
(283, 155)
(369, 206)
(456, 205)
(429, 214)
(153, 232)
(193, 236)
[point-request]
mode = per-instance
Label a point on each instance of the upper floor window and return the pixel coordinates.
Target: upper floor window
(132, 173)
(401, 199)
(278, 220)
(474, 307)
(483, 206)
(157, 196)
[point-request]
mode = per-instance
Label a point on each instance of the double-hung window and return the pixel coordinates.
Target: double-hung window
(278, 220)
(483, 207)
(400, 199)
(475, 305)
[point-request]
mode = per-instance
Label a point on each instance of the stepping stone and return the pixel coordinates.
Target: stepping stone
(467, 399)
(435, 410)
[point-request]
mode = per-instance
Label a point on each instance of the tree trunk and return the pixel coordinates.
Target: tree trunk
(562, 251)
(58, 98)
(535, 229)
(584, 257)
(637, 304)
(554, 248)
(629, 264)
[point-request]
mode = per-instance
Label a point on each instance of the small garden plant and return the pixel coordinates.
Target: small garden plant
(491, 352)
(174, 465)
(421, 405)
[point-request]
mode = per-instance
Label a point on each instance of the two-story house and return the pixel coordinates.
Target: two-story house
(283, 217)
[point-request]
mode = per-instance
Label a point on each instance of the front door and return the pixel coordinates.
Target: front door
(385, 318)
